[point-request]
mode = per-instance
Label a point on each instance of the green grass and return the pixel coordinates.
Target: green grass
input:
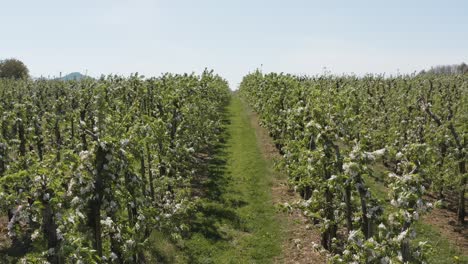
(237, 222)
(443, 251)
(163, 250)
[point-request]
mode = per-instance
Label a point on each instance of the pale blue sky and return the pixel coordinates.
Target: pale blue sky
(233, 37)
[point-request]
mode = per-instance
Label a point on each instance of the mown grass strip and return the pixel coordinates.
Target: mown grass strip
(238, 222)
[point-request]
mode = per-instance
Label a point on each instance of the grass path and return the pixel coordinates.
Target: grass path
(238, 222)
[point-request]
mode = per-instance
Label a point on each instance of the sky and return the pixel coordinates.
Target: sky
(233, 37)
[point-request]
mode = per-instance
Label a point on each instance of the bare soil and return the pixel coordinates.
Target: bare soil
(446, 222)
(5, 241)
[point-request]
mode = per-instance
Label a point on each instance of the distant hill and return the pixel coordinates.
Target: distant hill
(75, 76)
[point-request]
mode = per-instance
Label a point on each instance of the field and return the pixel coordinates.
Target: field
(288, 169)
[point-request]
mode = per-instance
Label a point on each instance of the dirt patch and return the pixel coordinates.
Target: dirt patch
(5, 241)
(299, 234)
(446, 222)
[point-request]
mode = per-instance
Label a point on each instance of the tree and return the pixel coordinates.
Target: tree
(13, 68)
(461, 68)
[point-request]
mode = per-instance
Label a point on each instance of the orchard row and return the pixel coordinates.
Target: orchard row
(337, 134)
(89, 169)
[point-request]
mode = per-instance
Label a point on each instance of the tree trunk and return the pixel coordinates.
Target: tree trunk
(150, 172)
(405, 250)
(94, 216)
(58, 139)
(3, 154)
(142, 172)
(84, 143)
(349, 208)
(365, 223)
(40, 140)
(115, 248)
(22, 138)
(461, 197)
(50, 231)
(72, 127)
(330, 232)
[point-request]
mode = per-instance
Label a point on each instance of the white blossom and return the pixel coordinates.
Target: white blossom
(35, 235)
(108, 222)
(59, 234)
(385, 260)
(402, 235)
(84, 154)
(190, 150)
(130, 242)
(399, 155)
(113, 256)
(124, 142)
(379, 152)
(352, 235)
(76, 200)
